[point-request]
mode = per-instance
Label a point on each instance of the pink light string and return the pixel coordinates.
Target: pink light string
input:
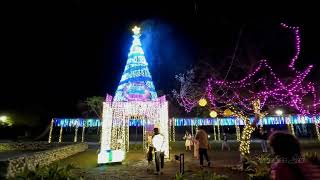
(296, 32)
(272, 90)
(276, 93)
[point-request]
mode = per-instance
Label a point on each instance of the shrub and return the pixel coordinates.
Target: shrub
(258, 168)
(51, 172)
(207, 175)
(179, 176)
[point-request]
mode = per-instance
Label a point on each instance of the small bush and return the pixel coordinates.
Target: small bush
(136, 147)
(52, 172)
(207, 175)
(179, 176)
(258, 168)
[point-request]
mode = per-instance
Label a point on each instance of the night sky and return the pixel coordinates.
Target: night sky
(57, 53)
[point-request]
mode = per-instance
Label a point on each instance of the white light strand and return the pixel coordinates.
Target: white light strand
(174, 130)
(76, 134)
(60, 134)
(218, 129)
(83, 131)
(50, 132)
(214, 132)
(316, 123)
(238, 132)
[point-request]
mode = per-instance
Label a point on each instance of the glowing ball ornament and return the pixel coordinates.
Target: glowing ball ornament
(279, 112)
(202, 102)
(213, 114)
(227, 112)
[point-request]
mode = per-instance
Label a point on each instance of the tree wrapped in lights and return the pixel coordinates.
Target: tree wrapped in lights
(135, 98)
(259, 89)
(190, 93)
(136, 82)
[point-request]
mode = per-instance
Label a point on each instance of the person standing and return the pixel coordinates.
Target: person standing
(158, 145)
(264, 138)
(149, 153)
(202, 137)
(225, 144)
(188, 138)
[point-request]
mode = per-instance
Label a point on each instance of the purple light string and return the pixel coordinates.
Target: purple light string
(278, 93)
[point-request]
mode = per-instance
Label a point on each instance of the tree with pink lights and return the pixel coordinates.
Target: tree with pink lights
(258, 90)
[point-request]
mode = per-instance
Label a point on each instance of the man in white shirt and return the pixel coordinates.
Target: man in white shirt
(158, 145)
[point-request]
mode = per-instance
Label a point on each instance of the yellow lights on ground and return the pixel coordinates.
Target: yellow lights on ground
(136, 30)
(213, 114)
(202, 102)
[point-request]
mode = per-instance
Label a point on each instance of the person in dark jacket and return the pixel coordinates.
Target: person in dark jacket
(204, 145)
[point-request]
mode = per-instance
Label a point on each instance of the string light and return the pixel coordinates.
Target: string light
(50, 132)
(233, 121)
(214, 132)
(316, 124)
(271, 92)
(238, 134)
(245, 139)
(187, 96)
(82, 134)
(170, 130)
(218, 129)
(174, 130)
(60, 134)
(296, 32)
(76, 134)
(292, 129)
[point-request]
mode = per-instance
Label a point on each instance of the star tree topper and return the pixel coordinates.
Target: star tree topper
(136, 30)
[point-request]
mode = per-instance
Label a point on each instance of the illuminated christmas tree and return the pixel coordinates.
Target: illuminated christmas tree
(136, 82)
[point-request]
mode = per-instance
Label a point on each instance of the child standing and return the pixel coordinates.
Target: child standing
(188, 142)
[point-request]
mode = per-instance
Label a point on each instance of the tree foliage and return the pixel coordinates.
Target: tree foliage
(91, 107)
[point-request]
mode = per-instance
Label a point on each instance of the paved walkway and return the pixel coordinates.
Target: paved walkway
(137, 169)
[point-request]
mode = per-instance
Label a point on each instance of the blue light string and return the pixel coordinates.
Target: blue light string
(229, 121)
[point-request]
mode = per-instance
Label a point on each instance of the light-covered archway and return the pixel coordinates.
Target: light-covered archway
(115, 125)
